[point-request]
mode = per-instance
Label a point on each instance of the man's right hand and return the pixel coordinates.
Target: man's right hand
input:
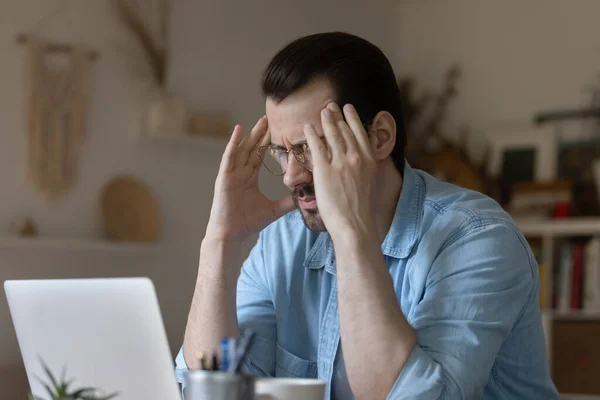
(239, 209)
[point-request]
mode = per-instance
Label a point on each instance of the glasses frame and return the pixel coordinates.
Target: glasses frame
(260, 151)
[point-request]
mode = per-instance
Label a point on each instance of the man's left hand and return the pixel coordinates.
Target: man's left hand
(343, 172)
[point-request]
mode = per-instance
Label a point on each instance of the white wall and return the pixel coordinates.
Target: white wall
(518, 57)
(219, 50)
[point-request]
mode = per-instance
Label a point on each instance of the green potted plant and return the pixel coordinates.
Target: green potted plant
(61, 389)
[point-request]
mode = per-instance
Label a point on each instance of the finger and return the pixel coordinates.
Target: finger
(332, 134)
(318, 149)
(346, 132)
(283, 206)
(228, 159)
(247, 145)
(337, 113)
(255, 156)
(360, 134)
(249, 142)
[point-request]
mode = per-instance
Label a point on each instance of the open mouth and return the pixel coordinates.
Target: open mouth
(308, 202)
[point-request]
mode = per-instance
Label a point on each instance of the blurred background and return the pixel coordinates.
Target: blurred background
(114, 115)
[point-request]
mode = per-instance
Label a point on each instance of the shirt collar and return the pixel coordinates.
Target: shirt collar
(403, 233)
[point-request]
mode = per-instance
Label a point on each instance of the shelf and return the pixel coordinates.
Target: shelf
(566, 227)
(184, 140)
(582, 315)
(73, 244)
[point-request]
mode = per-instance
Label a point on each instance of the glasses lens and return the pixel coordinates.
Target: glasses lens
(302, 153)
(275, 160)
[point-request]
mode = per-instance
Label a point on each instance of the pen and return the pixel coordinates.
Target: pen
(224, 354)
(215, 362)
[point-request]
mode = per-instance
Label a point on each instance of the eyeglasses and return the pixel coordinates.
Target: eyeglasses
(277, 160)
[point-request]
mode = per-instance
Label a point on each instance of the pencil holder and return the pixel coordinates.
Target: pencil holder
(217, 385)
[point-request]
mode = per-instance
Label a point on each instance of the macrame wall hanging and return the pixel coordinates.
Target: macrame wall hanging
(56, 111)
(57, 95)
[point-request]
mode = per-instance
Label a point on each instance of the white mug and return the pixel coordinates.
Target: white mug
(289, 389)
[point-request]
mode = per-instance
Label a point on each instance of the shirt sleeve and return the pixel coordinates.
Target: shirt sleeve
(180, 369)
(255, 311)
(476, 290)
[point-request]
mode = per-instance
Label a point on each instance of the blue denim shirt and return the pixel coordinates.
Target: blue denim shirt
(465, 280)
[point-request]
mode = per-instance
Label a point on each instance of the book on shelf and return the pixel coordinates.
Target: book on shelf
(543, 271)
(577, 281)
(536, 249)
(591, 291)
(572, 283)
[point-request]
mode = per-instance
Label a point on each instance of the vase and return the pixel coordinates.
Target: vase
(164, 115)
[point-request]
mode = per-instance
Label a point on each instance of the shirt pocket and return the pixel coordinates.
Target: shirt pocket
(290, 365)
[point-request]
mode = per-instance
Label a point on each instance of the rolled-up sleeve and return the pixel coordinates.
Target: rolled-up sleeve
(255, 311)
(180, 368)
(477, 289)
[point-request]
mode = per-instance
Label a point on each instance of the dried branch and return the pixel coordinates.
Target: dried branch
(165, 11)
(155, 55)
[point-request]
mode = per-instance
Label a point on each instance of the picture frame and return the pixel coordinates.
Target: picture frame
(535, 148)
(576, 161)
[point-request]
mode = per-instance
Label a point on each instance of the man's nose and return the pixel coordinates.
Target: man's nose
(296, 174)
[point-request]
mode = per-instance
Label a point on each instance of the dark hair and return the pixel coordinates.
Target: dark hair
(358, 70)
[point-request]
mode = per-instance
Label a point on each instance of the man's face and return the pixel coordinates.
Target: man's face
(286, 126)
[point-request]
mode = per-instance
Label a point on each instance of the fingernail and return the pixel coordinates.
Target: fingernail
(327, 112)
(349, 107)
(334, 107)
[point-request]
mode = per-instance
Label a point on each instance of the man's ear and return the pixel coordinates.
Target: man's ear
(382, 132)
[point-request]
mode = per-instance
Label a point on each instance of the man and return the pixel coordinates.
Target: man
(397, 285)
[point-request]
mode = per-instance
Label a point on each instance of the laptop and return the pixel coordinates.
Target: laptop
(105, 333)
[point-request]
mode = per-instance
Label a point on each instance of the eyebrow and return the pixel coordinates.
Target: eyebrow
(276, 146)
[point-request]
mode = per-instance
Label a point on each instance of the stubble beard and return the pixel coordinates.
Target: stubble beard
(311, 217)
